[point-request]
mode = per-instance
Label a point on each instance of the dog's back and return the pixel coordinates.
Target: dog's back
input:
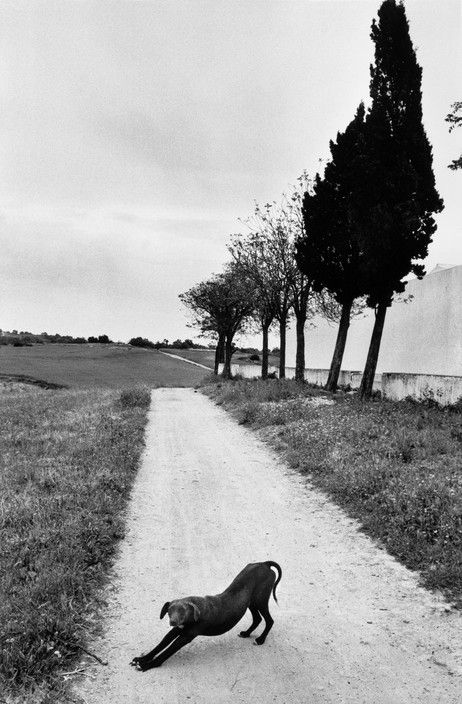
(257, 579)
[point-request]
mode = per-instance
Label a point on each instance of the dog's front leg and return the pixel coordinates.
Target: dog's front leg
(166, 640)
(180, 642)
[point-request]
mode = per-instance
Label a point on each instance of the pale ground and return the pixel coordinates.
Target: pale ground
(351, 626)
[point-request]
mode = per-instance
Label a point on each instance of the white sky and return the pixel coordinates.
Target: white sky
(133, 135)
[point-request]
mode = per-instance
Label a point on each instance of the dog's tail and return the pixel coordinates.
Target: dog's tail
(277, 567)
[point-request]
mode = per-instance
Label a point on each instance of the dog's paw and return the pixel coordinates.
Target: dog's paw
(244, 634)
(259, 641)
(138, 664)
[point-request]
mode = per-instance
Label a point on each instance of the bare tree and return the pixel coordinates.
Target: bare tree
(248, 253)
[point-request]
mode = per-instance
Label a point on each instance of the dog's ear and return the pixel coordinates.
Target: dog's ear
(195, 610)
(164, 609)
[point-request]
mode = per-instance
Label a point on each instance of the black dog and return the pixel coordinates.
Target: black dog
(213, 615)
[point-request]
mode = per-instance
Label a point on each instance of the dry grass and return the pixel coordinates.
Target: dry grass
(397, 467)
(67, 465)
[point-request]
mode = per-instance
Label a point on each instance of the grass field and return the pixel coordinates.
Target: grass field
(397, 467)
(68, 461)
(104, 366)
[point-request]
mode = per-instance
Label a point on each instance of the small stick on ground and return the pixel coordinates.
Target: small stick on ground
(92, 655)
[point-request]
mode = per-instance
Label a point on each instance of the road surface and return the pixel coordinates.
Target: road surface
(351, 626)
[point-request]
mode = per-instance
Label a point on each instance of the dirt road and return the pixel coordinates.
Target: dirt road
(351, 626)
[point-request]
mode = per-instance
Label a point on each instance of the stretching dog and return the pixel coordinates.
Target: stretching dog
(213, 615)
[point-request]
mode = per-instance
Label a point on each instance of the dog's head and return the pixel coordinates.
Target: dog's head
(180, 612)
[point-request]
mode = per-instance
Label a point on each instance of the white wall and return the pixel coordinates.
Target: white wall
(423, 336)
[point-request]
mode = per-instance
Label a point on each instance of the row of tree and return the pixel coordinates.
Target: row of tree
(25, 338)
(186, 344)
(349, 237)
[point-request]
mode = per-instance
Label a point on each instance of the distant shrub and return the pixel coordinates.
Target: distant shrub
(139, 397)
(141, 342)
(186, 344)
(183, 344)
(254, 357)
(101, 339)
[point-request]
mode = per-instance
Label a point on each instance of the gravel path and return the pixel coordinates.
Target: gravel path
(352, 625)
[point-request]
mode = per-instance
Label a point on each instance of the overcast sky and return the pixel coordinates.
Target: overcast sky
(133, 135)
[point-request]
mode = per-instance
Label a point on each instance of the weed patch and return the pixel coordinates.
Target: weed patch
(139, 397)
(67, 465)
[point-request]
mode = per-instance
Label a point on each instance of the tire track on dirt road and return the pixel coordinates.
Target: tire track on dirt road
(352, 625)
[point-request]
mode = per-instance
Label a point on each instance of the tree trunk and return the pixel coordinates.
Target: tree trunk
(228, 352)
(300, 354)
(219, 352)
(264, 356)
(282, 347)
(337, 358)
(373, 354)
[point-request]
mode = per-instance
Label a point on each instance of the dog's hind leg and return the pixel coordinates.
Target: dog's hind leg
(256, 620)
(268, 625)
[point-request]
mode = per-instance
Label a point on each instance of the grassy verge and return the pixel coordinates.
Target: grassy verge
(397, 467)
(67, 465)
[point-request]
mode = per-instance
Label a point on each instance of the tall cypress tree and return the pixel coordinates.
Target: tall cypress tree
(397, 225)
(329, 253)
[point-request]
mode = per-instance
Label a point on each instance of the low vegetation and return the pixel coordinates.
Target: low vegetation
(397, 467)
(68, 461)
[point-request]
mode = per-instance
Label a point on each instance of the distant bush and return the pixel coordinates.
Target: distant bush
(101, 339)
(181, 345)
(139, 397)
(254, 357)
(141, 342)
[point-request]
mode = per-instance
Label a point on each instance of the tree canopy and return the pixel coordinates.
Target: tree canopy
(221, 306)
